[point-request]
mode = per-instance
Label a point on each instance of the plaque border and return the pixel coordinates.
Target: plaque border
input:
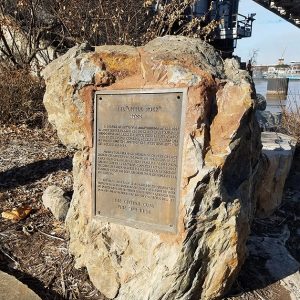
(139, 224)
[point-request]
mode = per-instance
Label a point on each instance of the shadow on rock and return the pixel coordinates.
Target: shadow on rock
(269, 261)
(32, 172)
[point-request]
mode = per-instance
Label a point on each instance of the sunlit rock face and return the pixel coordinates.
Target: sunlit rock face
(278, 152)
(221, 151)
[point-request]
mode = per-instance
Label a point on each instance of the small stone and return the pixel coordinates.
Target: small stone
(54, 199)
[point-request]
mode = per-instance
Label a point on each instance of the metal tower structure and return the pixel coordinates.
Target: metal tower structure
(286, 9)
(231, 25)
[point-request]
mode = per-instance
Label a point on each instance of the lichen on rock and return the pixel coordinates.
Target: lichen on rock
(221, 152)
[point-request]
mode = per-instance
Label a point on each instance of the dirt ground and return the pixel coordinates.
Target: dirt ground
(35, 250)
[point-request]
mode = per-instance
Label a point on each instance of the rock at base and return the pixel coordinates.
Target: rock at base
(13, 289)
(278, 150)
(54, 199)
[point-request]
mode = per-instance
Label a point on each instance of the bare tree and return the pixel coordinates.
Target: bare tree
(253, 56)
(176, 17)
(25, 33)
(33, 32)
(104, 21)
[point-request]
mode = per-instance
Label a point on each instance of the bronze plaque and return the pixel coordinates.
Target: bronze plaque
(137, 164)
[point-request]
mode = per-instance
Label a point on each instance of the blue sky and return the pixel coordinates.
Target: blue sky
(271, 36)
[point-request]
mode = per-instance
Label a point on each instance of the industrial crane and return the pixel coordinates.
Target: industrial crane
(231, 25)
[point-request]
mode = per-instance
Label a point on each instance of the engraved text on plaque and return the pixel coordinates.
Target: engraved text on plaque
(138, 137)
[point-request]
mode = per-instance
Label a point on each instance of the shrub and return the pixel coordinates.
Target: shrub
(103, 22)
(21, 98)
(290, 123)
(175, 17)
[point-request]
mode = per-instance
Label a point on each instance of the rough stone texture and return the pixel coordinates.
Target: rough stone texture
(221, 154)
(268, 121)
(273, 269)
(278, 150)
(13, 289)
(54, 199)
(278, 262)
(261, 102)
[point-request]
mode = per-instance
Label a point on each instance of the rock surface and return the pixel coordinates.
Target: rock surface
(268, 121)
(278, 262)
(278, 150)
(13, 289)
(261, 102)
(54, 199)
(221, 154)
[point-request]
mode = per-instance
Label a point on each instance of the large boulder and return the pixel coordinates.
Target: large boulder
(221, 152)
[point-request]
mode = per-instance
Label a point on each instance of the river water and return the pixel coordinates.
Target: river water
(293, 98)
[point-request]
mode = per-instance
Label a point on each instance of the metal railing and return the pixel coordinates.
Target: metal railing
(235, 26)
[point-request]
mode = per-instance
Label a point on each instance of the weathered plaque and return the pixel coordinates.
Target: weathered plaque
(137, 165)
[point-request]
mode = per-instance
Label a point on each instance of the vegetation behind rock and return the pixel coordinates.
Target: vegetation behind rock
(35, 32)
(290, 123)
(21, 98)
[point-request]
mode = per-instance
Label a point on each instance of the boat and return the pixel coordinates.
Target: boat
(291, 71)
